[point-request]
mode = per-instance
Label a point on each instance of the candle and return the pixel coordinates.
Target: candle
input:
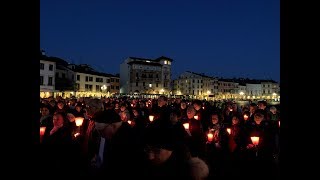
(196, 117)
(131, 105)
(229, 130)
(129, 122)
(231, 109)
(76, 134)
(210, 137)
(151, 118)
(245, 117)
(279, 123)
(42, 130)
(79, 121)
(255, 140)
(186, 126)
(203, 107)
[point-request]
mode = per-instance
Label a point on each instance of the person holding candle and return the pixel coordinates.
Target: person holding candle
(125, 116)
(46, 117)
(217, 149)
(58, 149)
(161, 112)
(197, 139)
(236, 138)
(263, 153)
(60, 133)
(236, 144)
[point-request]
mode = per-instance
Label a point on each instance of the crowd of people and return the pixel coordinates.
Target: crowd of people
(158, 138)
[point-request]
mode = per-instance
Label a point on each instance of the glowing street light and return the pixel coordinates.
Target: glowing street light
(103, 88)
(241, 93)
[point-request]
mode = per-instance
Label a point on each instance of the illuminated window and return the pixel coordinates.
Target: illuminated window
(165, 62)
(169, 63)
(150, 85)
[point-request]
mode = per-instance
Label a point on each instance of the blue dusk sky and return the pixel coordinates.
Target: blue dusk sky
(224, 38)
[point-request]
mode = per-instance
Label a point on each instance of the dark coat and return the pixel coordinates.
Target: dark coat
(122, 154)
(177, 168)
(261, 158)
(59, 154)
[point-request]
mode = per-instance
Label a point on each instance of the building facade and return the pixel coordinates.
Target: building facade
(195, 85)
(227, 88)
(47, 76)
(90, 82)
(253, 90)
(145, 76)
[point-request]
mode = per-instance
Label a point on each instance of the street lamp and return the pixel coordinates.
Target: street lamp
(103, 88)
(241, 94)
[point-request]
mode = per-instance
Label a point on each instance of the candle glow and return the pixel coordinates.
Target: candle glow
(42, 130)
(255, 140)
(186, 126)
(229, 130)
(151, 118)
(196, 117)
(79, 121)
(210, 137)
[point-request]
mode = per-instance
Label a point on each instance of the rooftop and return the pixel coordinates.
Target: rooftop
(154, 60)
(86, 69)
(145, 63)
(202, 75)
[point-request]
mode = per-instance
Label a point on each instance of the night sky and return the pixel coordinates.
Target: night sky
(224, 38)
